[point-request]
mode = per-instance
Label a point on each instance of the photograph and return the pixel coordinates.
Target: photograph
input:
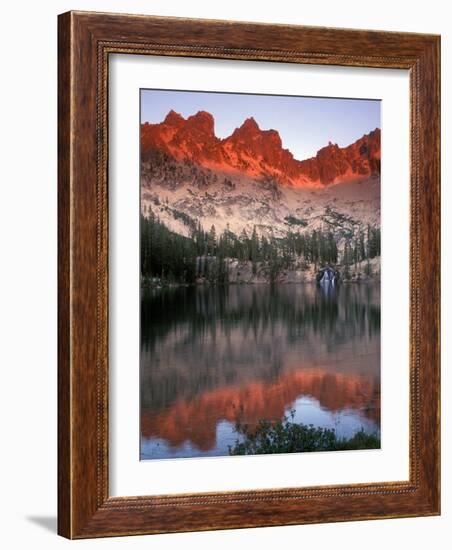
(260, 263)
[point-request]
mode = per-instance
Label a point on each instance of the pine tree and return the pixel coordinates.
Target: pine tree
(362, 248)
(347, 259)
(212, 241)
(254, 246)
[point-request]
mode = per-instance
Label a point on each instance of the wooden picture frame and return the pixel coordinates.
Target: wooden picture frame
(85, 42)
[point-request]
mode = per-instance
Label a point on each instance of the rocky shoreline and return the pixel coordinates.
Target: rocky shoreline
(244, 272)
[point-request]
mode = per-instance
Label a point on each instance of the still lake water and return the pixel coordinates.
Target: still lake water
(212, 356)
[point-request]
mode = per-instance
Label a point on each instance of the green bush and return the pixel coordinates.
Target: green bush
(285, 436)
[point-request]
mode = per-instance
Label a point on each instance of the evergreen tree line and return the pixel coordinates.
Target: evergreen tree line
(365, 246)
(176, 258)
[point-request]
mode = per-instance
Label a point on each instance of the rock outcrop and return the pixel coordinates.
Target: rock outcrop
(258, 153)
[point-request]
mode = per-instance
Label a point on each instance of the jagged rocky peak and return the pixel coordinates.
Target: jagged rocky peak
(259, 153)
(203, 121)
(174, 119)
(250, 131)
(249, 125)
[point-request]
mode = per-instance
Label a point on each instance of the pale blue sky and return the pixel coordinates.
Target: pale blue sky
(305, 124)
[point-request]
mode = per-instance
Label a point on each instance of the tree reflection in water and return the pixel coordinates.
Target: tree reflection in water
(211, 356)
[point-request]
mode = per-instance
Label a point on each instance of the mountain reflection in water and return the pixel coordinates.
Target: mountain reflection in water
(212, 356)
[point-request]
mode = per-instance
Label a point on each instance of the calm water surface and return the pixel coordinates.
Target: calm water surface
(212, 356)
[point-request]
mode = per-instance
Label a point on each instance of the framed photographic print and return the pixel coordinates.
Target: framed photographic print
(248, 275)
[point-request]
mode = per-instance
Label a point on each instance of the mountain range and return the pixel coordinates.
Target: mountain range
(258, 153)
(250, 181)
